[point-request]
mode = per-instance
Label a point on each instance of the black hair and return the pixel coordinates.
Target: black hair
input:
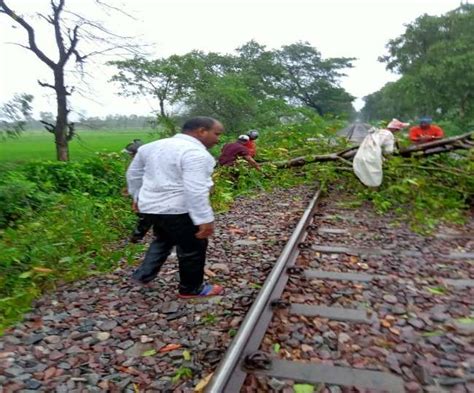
(199, 122)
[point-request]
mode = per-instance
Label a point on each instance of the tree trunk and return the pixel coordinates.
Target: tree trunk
(162, 108)
(61, 127)
(464, 141)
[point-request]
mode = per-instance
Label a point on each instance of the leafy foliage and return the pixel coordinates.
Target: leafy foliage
(60, 220)
(434, 57)
(255, 88)
(14, 114)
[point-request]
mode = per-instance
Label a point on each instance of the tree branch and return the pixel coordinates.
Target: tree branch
(424, 149)
(50, 127)
(408, 151)
(72, 48)
(57, 29)
(44, 84)
(105, 5)
(31, 34)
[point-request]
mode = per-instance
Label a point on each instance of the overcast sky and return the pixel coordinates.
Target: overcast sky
(349, 28)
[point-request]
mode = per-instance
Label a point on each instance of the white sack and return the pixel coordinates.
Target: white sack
(368, 160)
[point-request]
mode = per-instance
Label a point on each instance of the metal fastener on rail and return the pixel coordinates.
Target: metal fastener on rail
(245, 301)
(304, 246)
(258, 361)
(279, 304)
(297, 270)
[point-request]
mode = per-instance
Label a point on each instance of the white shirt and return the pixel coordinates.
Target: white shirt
(368, 160)
(173, 176)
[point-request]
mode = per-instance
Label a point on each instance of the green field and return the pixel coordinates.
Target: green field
(39, 145)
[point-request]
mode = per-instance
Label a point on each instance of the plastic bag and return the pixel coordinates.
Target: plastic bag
(368, 161)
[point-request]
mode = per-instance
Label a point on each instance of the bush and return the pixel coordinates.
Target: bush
(59, 223)
(19, 197)
(27, 188)
(71, 239)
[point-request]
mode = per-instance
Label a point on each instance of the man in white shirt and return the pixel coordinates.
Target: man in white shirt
(169, 181)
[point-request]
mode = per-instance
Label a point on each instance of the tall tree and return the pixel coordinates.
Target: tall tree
(166, 79)
(69, 30)
(310, 80)
(436, 53)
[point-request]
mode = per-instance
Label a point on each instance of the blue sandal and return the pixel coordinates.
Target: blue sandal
(207, 290)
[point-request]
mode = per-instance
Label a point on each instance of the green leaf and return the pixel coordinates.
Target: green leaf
(437, 290)
(303, 388)
(25, 274)
(150, 352)
(467, 320)
(66, 260)
(186, 356)
(435, 333)
(276, 347)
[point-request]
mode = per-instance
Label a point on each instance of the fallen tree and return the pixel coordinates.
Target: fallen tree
(464, 141)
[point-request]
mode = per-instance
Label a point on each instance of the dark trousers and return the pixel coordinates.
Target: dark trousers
(175, 230)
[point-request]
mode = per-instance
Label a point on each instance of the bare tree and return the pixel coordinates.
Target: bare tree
(70, 29)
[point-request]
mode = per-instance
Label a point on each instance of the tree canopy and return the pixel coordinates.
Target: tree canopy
(434, 57)
(253, 87)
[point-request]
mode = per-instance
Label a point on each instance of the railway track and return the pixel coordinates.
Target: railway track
(353, 294)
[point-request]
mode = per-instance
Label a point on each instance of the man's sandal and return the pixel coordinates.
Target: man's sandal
(207, 290)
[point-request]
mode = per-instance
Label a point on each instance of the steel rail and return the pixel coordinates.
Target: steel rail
(231, 364)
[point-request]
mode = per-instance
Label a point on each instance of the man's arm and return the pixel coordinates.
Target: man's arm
(134, 176)
(197, 183)
(251, 162)
(438, 133)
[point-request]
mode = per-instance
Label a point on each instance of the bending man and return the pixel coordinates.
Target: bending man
(425, 132)
(232, 151)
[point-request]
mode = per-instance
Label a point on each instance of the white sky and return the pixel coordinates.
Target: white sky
(349, 28)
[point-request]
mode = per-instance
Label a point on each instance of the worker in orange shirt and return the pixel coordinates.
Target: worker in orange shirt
(250, 144)
(425, 132)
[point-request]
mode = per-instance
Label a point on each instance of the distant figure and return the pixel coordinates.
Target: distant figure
(425, 132)
(232, 151)
(132, 147)
(250, 145)
(368, 160)
(169, 181)
(143, 224)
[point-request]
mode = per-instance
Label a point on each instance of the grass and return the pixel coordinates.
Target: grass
(39, 145)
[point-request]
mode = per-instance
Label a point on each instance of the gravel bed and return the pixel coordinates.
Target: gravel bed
(429, 268)
(421, 330)
(107, 334)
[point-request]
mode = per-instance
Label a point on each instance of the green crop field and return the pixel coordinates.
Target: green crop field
(39, 145)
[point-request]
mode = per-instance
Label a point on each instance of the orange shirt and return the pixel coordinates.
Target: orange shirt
(417, 133)
(251, 147)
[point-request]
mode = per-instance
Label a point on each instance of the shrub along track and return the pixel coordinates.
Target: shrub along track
(357, 304)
